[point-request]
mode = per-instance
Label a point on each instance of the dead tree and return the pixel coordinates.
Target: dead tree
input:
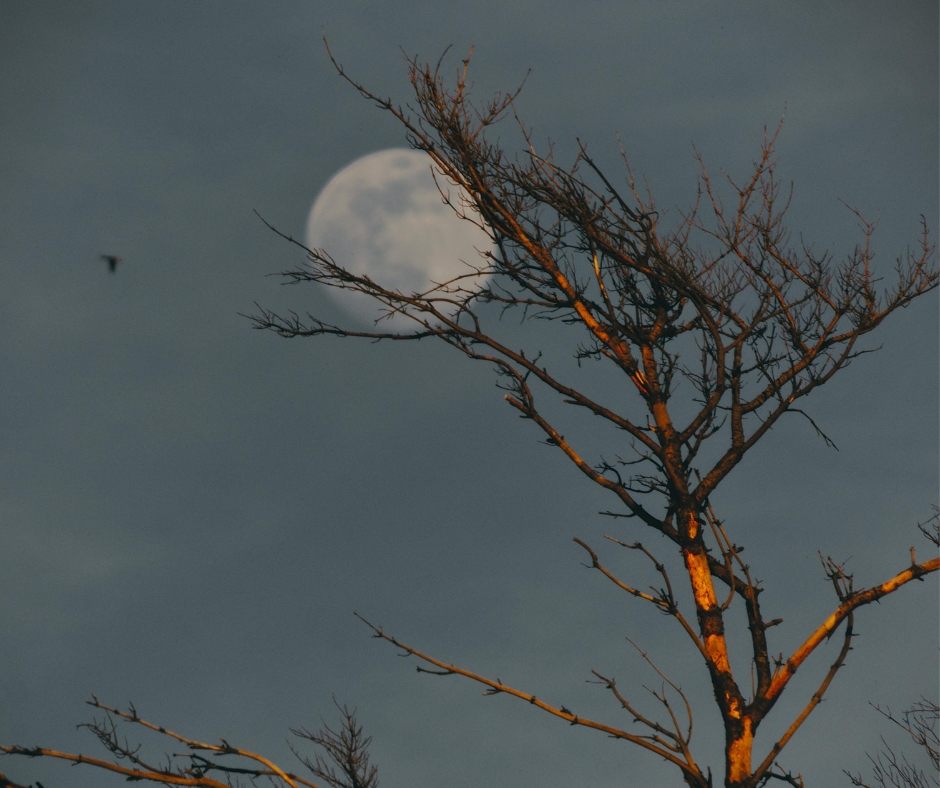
(721, 301)
(343, 760)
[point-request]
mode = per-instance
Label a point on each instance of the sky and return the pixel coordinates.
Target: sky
(190, 510)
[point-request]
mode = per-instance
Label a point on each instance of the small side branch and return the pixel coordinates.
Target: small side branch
(673, 739)
(796, 780)
(663, 598)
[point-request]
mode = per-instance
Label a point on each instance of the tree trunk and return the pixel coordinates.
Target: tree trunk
(738, 754)
(739, 732)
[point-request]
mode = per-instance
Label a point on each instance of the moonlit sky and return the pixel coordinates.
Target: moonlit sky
(190, 511)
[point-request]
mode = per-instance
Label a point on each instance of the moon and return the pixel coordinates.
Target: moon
(383, 216)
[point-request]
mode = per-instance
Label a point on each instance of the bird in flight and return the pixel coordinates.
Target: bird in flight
(112, 261)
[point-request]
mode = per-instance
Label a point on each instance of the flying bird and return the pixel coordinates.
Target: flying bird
(112, 261)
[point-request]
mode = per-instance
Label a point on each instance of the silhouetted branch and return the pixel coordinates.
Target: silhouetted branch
(889, 768)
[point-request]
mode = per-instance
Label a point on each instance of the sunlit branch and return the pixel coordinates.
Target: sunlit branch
(768, 762)
(130, 773)
(826, 628)
(497, 687)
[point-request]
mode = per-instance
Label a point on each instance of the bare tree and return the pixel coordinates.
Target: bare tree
(721, 302)
(343, 760)
(889, 768)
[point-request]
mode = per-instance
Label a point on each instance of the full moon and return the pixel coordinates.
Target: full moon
(383, 216)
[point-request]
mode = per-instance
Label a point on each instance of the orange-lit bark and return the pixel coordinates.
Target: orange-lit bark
(739, 733)
(738, 756)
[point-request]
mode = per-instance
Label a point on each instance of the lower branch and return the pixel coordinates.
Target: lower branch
(813, 703)
(344, 762)
(691, 774)
(131, 774)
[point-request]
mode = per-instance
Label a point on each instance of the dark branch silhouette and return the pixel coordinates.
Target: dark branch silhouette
(921, 722)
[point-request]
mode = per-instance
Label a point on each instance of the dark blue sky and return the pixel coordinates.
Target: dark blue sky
(190, 511)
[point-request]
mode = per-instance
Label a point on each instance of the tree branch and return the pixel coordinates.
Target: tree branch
(827, 627)
(496, 687)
